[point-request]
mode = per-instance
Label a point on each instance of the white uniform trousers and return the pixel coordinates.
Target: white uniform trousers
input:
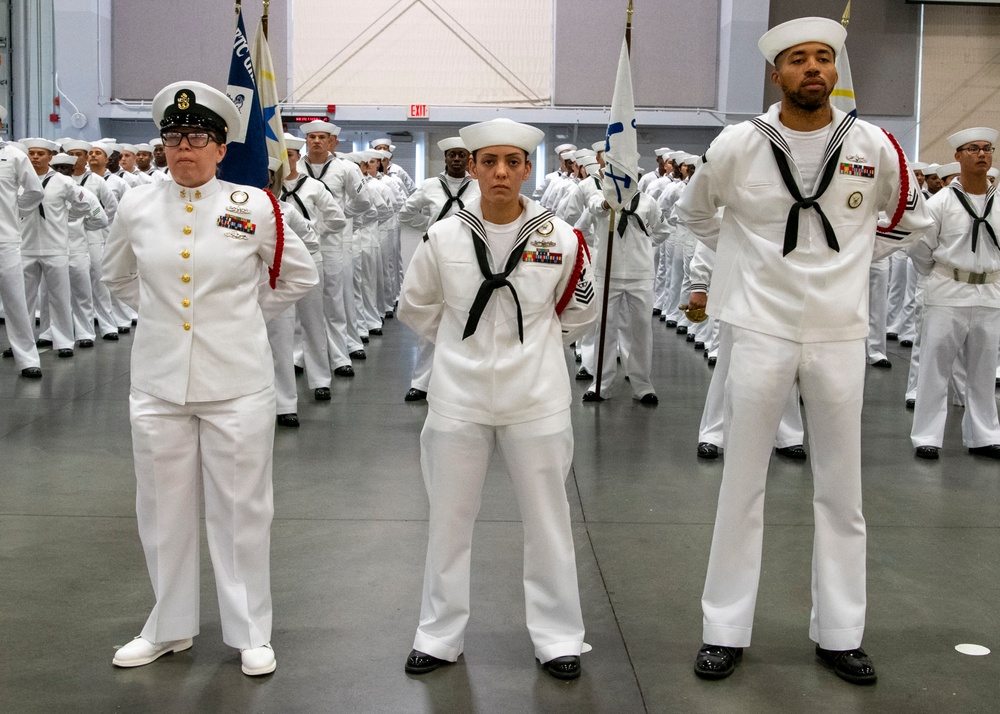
(351, 333)
(366, 290)
(224, 447)
(390, 259)
(902, 290)
(281, 336)
(422, 365)
(675, 284)
(945, 331)
(18, 325)
(630, 304)
(312, 323)
(55, 270)
(831, 378)
(878, 306)
(454, 457)
(103, 309)
(712, 428)
(336, 277)
(662, 280)
(81, 301)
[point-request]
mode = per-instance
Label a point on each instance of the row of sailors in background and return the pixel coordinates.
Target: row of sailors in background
(59, 198)
(656, 260)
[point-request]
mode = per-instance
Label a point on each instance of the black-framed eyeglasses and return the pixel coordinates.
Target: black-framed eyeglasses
(976, 149)
(196, 139)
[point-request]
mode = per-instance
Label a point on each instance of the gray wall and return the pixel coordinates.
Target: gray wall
(883, 41)
(674, 52)
(196, 35)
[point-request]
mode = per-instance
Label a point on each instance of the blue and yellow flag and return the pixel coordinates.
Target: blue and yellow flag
(246, 156)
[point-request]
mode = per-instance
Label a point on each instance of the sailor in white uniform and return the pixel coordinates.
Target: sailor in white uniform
(205, 262)
(499, 288)
(21, 193)
(802, 187)
(961, 259)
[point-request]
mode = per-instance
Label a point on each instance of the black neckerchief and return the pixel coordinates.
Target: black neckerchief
(630, 211)
(452, 200)
(977, 221)
(782, 153)
(294, 194)
(41, 208)
(326, 166)
(494, 281)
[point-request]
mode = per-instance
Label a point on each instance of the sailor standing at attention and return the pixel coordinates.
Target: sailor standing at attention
(205, 262)
(802, 187)
(499, 288)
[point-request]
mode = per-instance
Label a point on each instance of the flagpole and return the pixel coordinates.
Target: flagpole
(263, 19)
(611, 243)
(846, 17)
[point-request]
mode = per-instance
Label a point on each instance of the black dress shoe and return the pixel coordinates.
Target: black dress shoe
(671, 323)
(795, 452)
(365, 340)
(9, 352)
(85, 343)
(65, 352)
(712, 361)
(906, 343)
(322, 394)
(707, 451)
(682, 330)
(289, 420)
(592, 397)
(578, 358)
(345, 371)
(926, 452)
(992, 451)
(43, 343)
(715, 662)
(299, 370)
(583, 374)
(650, 400)
(377, 332)
(110, 337)
(663, 318)
(891, 336)
(853, 666)
(567, 667)
(882, 364)
(389, 315)
(657, 312)
(911, 403)
(421, 663)
(135, 321)
(31, 373)
(358, 354)
(124, 330)
(699, 345)
(690, 337)
(415, 395)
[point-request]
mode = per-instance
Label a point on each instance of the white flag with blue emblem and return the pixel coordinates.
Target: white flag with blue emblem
(621, 149)
(267, 88)
(842, 96)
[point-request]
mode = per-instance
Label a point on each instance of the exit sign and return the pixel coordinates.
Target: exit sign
(418, 111)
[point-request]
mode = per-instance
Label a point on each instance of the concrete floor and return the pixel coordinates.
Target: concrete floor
(348, 547)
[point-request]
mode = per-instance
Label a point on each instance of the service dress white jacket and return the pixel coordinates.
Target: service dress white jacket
(194, 263)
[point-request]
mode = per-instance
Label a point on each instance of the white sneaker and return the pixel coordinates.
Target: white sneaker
(140, 651)
(258, 661)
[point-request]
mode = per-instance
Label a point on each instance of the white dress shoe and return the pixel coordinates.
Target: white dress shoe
(139, 651)
(258, 661)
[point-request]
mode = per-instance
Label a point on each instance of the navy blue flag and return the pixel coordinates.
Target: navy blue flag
(246, 155)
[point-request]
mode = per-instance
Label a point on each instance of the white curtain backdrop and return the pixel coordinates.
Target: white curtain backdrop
(448, 52)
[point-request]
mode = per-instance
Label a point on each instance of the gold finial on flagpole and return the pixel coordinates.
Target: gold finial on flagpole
(846, 18)
(239, 6)
(263, 19)
(628, 27)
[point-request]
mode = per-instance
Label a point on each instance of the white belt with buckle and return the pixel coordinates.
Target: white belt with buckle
(964, 276)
